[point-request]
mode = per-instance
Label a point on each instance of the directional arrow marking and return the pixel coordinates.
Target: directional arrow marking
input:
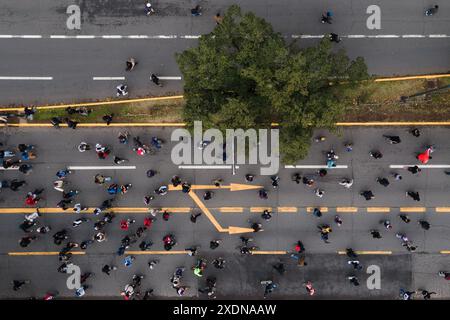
(231, 187)
(205, 210)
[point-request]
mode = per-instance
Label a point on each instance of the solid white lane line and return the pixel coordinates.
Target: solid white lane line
(384, 36)
(438, 36)
(101, 167)
(356, 36)
(315, 167)
(197, 167)
(112, 36)
(6, 36)
(108, 78)
(137, 37)
(169, 78)
(309, 36)
(3, 169)
(84, 37)
(31, 36)
(422, 166)
(190, 37)
(413, 36)
(26, 78)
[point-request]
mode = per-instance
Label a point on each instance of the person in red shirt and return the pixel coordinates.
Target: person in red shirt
(148, 222)
(424, 157)
(299, 248)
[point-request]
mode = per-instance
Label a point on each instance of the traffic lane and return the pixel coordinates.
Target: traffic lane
(289, 194)
(280, 233)
(74, 63)
(44, 276)
(119, 17)
(241, 276)
(425, 270)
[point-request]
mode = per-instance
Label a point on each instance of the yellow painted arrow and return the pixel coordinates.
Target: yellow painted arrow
(205, 210)
(235, 230)
(231, 187)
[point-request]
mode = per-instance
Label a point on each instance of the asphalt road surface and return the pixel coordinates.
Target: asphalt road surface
(291, 221)
(59, 64)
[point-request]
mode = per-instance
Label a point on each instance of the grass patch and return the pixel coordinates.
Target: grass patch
(371, 101)
(153, 111)
(380, 101)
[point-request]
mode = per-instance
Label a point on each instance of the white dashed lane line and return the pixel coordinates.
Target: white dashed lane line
(108, 78)
(315, 167)
(421, 166)
(25, 78)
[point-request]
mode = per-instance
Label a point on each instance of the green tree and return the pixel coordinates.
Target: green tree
(244, 75)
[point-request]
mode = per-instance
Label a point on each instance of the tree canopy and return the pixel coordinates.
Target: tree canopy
(244, 75)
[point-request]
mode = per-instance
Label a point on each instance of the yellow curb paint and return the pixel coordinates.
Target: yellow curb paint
(181, 124)
(311, 209)
(379, 123)
(128, 124)
(259, 209)
(367, 252)
(101, 103)
(378, 209)
(43, 253)
(428, 76)
(347, 209)
(445, 252)
(267, 252)
(287, 209)
(413, 209)
(156, 252)
(443, 209)
(231, 209)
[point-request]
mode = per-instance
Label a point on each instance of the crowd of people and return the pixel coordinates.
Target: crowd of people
(21, 157)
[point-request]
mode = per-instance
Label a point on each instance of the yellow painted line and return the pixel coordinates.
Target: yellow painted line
(182, 124)
(347, 209)
(311, 209)
(101, 103)
(231, 209)
(428, 76)
(259, 209)
(380, 123)
(91, 210)
(413, 209)
(268, 252)
(367, 252)
(443, 209)
(156, 252)
(287, 209)
(43, 253)
(445, 252)
(378, 209)
(121, 124)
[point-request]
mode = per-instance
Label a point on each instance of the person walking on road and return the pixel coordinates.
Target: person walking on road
(375, 234)
(414, 169)
(367, 194)
(414, 195)
(326, 18)
(383, 181)
(155, 80)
